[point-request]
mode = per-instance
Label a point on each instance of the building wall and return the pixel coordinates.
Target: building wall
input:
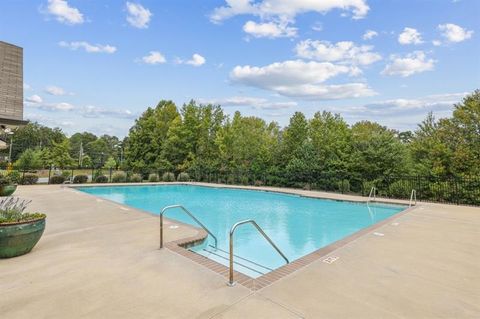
(11, 81)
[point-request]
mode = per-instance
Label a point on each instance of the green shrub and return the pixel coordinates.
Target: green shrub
(5, 179)
(258, 183)
(183, 177)
(80, 179)
(101, 179)
(119, 177)
(57, 179)
(398, 190)
(367, 186)
(343, 186)
(28, 179)
(136, 178)
(153, 178)
(244, 180)
(66, 174)
(14, 176)
(168, 177)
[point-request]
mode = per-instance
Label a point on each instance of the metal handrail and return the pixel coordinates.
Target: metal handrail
(413, 196)
(374, 191)
(260, 230)
(189, 214)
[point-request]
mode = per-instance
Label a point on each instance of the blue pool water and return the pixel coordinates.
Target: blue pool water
(298, 225)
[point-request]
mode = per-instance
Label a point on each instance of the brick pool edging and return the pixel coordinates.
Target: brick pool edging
(180, 246)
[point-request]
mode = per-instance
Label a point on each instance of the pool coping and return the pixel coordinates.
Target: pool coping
(180, 246)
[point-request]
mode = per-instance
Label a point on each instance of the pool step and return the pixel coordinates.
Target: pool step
(241, 264)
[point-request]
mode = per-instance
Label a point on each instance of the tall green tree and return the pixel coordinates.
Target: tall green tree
(32, 135)
(332, 140)
(58, 155)
(293, 136)
(148, 135)
(376, 151)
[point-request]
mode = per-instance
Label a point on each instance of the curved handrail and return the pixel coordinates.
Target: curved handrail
(260, 230)
(189, 214)
(413, 196)
(374, 191)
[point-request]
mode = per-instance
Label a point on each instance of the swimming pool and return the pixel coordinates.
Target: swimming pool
(297, 225)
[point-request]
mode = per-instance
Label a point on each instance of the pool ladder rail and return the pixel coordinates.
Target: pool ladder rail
(231, 283)
(373, 192)
(413, 198)
(189, 214)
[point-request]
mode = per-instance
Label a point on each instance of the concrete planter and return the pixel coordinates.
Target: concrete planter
(19, 238)
(7, 190)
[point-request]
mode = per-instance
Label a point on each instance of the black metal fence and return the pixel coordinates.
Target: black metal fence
(442, 189)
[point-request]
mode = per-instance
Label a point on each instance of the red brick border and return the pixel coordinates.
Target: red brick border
(180, 247)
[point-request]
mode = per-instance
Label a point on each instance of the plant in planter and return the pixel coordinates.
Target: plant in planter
(7, 186)
(19, 231)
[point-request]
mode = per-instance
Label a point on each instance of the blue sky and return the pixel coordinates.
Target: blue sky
(97, 65)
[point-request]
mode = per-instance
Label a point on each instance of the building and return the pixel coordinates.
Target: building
(11, 90)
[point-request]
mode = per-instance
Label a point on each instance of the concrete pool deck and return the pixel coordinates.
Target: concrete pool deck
(99, 259)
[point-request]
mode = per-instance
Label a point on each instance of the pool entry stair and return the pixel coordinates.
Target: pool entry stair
(243, 265)
(223, 257)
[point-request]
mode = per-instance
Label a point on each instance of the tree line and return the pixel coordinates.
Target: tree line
(198, 137)
(201, 137)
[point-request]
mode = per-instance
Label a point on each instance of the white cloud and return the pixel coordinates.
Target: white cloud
(269, 29)
(438, 101)
(63, 106)
(154, 57)
(35, 99)
(64, 13)
(55, 90)
(344, 51)
(410, 36)
(401, 113)
(437, 43)
(454, 33)
(369, 34)
(34, 102)
(287, 9)
(26, 86)
(196, 60)
(90, 48)
(91, 111)
(300, 79)
(253, 102)
(410, 64)
(138, 16)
